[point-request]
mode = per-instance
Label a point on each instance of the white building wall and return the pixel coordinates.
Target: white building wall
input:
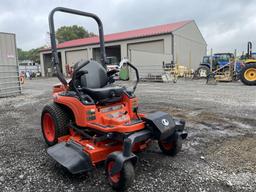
(189, 46)
(148, 54)
(42, 64)
(63, 61)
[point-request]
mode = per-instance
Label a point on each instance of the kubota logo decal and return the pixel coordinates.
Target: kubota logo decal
(165, 122)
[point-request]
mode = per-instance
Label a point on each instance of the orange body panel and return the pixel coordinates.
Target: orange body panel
(98, 152)
(59, 88)
(114, 117)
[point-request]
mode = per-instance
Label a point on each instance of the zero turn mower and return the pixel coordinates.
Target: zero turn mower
(90, 120)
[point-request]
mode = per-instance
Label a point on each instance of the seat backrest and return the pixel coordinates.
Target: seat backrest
(96, 76)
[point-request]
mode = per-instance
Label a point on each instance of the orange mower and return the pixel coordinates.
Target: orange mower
(91, 120)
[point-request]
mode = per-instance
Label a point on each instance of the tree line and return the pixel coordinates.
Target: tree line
(64, 33)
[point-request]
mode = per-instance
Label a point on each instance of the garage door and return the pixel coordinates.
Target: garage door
(74, 56)
(148, 57)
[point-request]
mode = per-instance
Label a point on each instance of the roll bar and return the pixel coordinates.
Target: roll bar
(137, 75)
(55, 59)
(127, 62)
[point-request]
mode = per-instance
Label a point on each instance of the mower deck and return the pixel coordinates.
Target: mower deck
(80, 152)
(71, 156)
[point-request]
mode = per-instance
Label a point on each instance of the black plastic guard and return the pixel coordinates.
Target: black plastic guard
(161, 124)
(180, 125)
(71, 156)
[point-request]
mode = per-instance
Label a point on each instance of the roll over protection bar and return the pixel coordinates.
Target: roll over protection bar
(55, 59)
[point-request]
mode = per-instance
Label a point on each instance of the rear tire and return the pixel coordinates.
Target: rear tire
(171, 146)
(248, 74)
(123, 179)
(202, 72)
(54, 121)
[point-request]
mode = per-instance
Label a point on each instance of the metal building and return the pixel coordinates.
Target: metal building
(147, 48)
(9, 72)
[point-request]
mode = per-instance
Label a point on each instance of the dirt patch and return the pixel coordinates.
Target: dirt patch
(235, 154)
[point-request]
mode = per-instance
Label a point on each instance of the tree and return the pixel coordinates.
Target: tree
(32, 54)
(66, 33)
(22, 55)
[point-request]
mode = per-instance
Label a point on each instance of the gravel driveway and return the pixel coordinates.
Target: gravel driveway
(219, 154)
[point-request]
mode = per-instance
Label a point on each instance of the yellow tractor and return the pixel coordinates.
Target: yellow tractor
(248, 72)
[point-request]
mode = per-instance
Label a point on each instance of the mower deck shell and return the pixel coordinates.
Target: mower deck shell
(71, 156)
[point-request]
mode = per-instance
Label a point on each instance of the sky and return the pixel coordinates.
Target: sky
(226, 25)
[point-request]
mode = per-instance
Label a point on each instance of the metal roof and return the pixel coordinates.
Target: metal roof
(145, 32)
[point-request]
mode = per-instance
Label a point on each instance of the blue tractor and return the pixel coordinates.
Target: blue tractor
(220, 62)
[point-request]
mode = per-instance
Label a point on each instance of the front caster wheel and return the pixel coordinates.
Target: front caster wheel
(123, 179)
(171, 146)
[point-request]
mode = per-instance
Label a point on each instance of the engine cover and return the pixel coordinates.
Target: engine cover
(161, 124)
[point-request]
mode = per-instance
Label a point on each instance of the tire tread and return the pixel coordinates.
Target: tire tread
(60, 118)
(242, 78)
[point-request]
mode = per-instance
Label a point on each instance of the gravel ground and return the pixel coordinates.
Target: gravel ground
(219, 154)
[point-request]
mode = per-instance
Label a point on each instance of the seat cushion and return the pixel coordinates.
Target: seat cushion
(104, 93)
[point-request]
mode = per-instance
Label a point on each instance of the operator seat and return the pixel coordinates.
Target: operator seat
(95, 82)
